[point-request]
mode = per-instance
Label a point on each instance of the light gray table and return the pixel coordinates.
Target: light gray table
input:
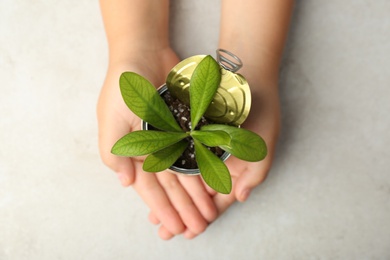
(327, 196)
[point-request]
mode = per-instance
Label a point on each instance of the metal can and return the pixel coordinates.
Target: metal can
(231, 103)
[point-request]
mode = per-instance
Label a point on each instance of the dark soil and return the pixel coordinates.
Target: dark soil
(181, 113)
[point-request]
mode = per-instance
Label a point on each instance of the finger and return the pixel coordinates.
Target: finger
(189, 235)
(182, 202)
(164, 233)
(209, 190)
(199, 195)
(153, 219)
(150, 190)
(253, 175)
(223, 201)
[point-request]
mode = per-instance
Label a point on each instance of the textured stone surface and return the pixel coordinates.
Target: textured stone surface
(327, 196)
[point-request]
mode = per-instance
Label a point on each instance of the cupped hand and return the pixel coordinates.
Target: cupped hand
(114, 117)
(179, 203)
(264, 119)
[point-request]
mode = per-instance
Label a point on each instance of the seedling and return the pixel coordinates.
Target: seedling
(165, 144)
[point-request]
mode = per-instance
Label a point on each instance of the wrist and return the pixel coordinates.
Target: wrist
(153, 65)
(122, 53)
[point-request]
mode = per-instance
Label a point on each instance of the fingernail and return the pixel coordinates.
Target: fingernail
(245, 195)
(123, 179)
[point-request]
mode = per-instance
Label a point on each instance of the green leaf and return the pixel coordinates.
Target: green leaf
(142, 98)
(165, 158)
(244, 144)
(212, 138)
(214, 172)
(203, 86)
(144, 142)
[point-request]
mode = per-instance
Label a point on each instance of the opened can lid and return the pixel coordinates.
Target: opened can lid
(231, 103)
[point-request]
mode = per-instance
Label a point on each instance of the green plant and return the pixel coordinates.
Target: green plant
(165, 145)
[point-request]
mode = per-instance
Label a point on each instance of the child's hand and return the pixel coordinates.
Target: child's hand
(180, 203)
(264, 120)
(114, 118)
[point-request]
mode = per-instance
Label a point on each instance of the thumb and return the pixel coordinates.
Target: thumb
(249, 179)
(111, 129)
(123, 166)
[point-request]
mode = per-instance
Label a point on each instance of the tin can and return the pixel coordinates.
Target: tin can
(231, 103)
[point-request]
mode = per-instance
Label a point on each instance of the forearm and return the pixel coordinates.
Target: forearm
(135, 26)
(256, 30)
